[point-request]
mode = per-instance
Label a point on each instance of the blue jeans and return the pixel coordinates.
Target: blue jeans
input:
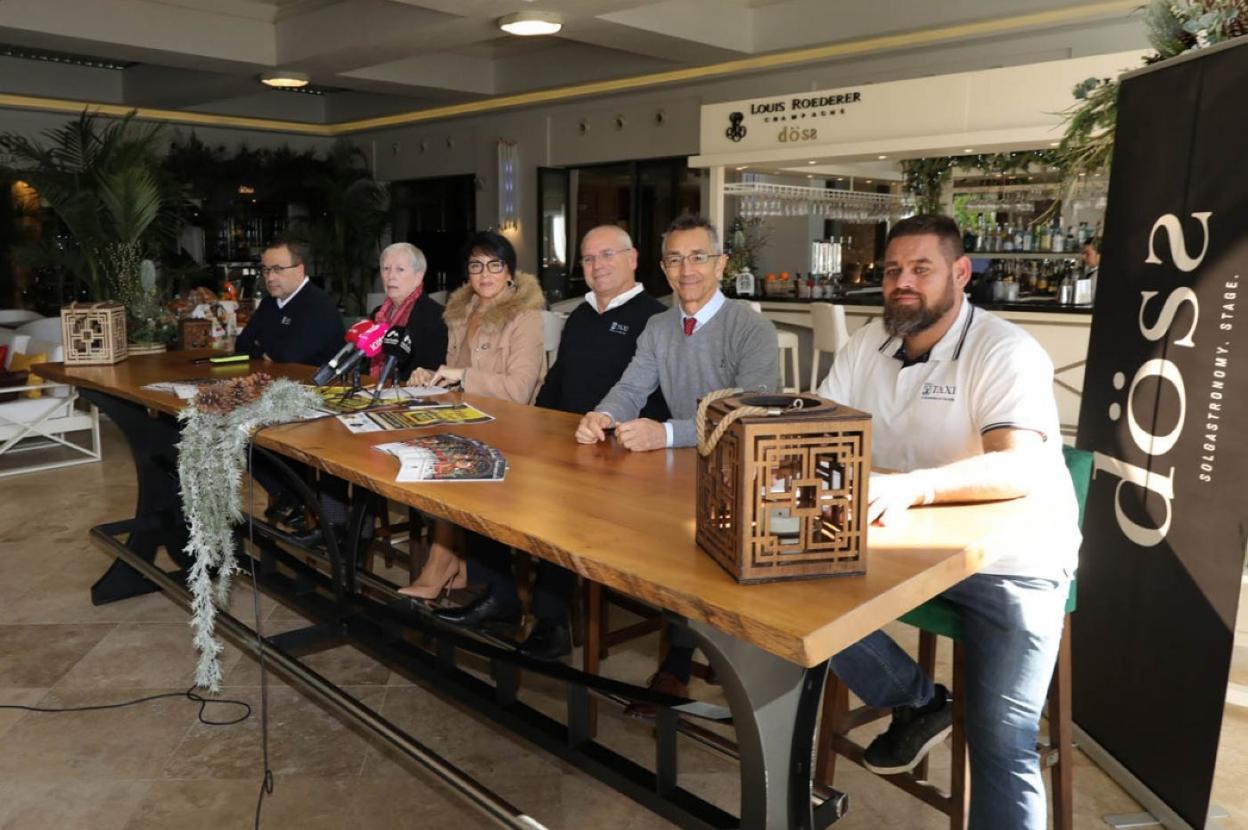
(1013, 629)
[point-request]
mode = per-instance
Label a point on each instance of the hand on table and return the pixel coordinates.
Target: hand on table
(892, 494)
(641, 435)
(446, 376)
(420, 377)
(593, 427)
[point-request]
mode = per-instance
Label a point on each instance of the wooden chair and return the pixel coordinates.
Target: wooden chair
(939, 617)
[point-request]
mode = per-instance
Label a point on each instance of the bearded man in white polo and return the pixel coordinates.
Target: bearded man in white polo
(963, 407)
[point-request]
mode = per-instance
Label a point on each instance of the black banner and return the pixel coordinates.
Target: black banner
(1165, 400)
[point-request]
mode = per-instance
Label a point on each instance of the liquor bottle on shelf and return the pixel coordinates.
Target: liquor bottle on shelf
(968, 240)
(1058, 241)
(745, 283)
(1070, 243)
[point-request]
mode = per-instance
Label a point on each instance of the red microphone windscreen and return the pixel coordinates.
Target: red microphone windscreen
(353, 333)
(370, 341)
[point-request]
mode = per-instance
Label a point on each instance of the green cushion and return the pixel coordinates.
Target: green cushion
(943, 618)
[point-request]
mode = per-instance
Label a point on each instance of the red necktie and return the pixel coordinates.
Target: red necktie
(689, 323)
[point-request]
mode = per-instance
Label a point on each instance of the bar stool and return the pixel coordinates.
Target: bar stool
(788, 344)
(830, 333)
(939, 617)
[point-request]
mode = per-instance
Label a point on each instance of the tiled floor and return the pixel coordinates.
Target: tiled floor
(155, 766)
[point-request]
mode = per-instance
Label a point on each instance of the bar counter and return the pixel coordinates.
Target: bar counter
(1061, 329)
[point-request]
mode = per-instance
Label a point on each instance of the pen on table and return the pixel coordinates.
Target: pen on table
(222, 358)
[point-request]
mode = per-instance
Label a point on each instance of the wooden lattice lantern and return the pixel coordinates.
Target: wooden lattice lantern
(194, 333)
(94, 333)
(782, 485)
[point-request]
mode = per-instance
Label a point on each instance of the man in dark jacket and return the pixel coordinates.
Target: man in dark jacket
(297, 322)
(597, 344)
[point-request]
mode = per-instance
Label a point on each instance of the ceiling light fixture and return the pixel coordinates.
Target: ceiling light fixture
(284, 79)
(527, 24)
(968, 150)
(881, 158)
(812, 161)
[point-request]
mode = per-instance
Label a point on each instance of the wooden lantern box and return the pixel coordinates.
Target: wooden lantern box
(194, 333)
(783, 495)
(94, 333)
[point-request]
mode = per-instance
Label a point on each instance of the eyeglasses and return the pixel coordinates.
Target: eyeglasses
(587, 261)
(265, 270)
(673, 261)
(494, 266)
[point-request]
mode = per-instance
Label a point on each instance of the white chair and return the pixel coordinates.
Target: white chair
(830, 334)
(39, 423)
(13, 317)
(552, 333)
(47, 329)
(566, 307)
(788, 344)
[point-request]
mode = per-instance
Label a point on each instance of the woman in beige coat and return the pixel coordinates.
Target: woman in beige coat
(495, 346)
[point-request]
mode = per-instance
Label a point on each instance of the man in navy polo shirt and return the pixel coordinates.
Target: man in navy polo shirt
(962, 405)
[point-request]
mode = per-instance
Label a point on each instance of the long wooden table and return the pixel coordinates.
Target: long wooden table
(626, 520)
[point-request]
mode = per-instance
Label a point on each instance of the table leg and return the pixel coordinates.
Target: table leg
(158, 520)
(774, 705)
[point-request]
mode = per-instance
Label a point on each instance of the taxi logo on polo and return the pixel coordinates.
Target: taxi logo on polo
(938, 392)
(618, 328)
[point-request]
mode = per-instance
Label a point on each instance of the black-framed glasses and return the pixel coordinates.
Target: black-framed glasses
(609, 254)
(494, 266)
(265, 270)
(673, 261)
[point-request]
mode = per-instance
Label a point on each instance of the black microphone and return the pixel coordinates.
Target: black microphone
(367, 343)
(396, 346)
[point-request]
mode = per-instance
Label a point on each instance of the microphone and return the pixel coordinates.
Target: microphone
(330, 370)
(367, 345)
(397, 346)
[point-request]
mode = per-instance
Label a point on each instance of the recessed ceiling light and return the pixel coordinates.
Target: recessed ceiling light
(867, 181)
(840, 178)
(742, 167)
(810, 175)
(812, 161)
(881, 157)
(526, 24)
(284, 79)
(968, 150)
(1054, 143)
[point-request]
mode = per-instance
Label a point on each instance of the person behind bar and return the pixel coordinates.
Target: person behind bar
(495, 347)
(962, 407)
(296, 323)
(701, 344)
(598, 342)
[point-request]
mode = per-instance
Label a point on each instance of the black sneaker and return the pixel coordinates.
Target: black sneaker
(911, 735)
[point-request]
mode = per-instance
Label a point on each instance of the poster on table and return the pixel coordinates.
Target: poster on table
(1165, 401)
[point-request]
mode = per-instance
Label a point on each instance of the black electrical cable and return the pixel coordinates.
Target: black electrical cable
(189, 694)
(266, 782)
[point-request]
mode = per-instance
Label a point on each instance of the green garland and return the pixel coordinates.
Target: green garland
(212, 456)
(1175, 27)
(926, 178)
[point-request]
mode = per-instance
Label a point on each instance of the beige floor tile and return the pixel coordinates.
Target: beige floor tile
(304, 739)
(68, 803)
(116, 744)
(40, 655)
(17, 697)
(142, 655)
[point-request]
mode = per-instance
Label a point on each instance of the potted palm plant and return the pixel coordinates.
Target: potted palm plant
(103, 181)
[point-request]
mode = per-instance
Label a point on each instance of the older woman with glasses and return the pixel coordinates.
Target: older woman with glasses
(495, 347)
(408, 306)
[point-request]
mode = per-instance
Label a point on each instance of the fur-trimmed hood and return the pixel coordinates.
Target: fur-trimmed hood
(526, 295)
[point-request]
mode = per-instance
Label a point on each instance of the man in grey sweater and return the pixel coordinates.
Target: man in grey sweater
(704, 343)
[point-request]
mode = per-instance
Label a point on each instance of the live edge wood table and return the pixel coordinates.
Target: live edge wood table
(621, 519)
